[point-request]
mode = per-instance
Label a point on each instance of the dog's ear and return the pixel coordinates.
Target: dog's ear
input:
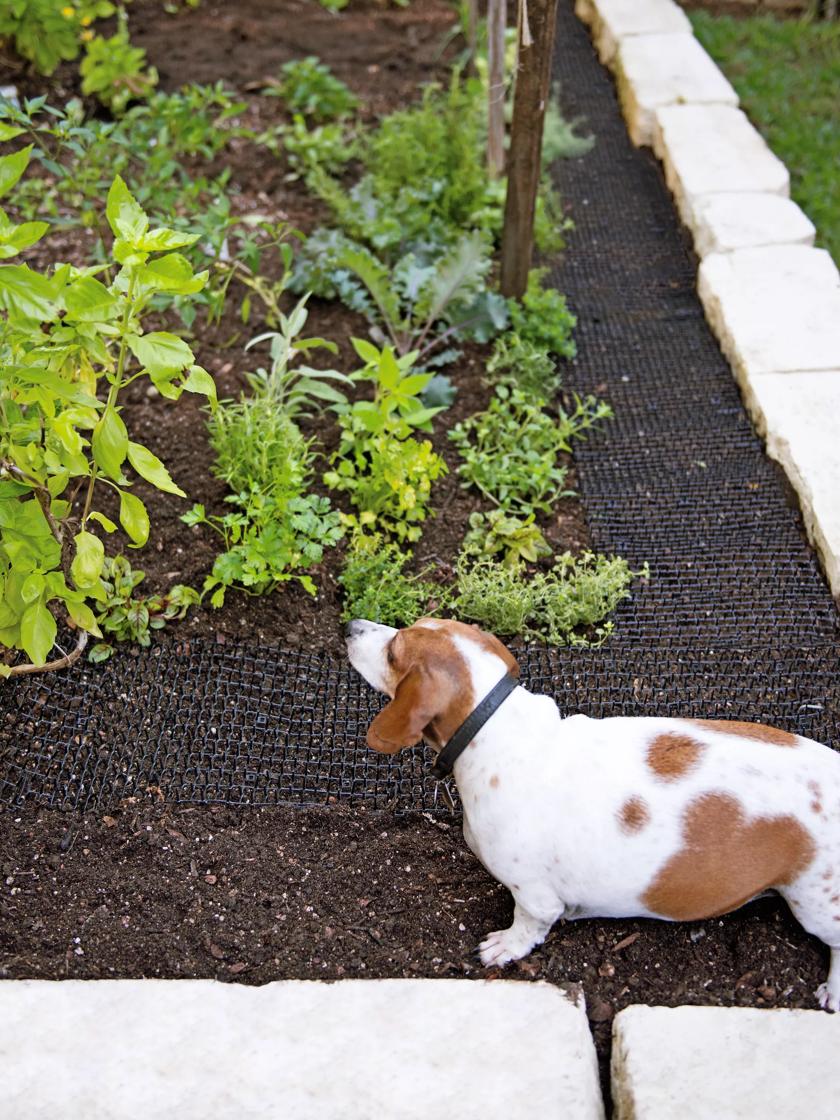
(400, 723)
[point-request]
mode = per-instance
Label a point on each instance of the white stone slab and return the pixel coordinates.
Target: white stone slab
(706, 149)
(724, 1063)
(722, 223)
(773, 310)
(296, 1050)
(799, 415)
(656, 70)
(612, 21)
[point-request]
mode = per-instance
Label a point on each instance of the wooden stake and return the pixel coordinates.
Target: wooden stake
(533, 83)
(472, 34)
(496, 21)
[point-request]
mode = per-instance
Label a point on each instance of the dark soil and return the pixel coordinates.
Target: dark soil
(384, 54)
(259, 895)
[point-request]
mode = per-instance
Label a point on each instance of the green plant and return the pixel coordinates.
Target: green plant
(387, 473)
(63, 338)
(425, 179)
(560, 138)
(274, 537)
(377, 587)
(310, 88)
(127, 617)
(320, 148)
(509, 451)
(423, 303)
(523, 365)
(295, 391)
(48, 31)
(277, 531)
(560, 607)
(114, 71)
(542, 318)
(517, 538)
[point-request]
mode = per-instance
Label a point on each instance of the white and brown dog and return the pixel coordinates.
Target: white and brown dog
(626, 817)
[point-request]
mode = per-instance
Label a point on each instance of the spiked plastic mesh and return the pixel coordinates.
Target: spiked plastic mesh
(736, 621)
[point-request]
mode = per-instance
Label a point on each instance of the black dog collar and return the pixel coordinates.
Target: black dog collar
(472, 725)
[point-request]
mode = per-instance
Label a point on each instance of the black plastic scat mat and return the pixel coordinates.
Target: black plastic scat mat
(736, 622)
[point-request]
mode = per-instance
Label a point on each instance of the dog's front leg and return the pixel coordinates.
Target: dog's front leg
(533, 917)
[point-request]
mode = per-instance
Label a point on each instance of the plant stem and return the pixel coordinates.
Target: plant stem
(59, 663)
(115, 387)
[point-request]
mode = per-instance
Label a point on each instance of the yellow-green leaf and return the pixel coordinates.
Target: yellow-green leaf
(125, 215)
(89, 559)
(152, 469)
(110, 444)
(37, 631)
(134, 518)
(84, 618)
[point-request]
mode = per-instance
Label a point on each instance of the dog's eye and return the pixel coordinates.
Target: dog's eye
(390, 654)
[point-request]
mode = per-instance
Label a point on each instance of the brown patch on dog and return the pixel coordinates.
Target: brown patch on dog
(758, 732)
(816, 807)
(487, 641)
(633, 815)
(432, 690)
(725, 860)
(494, 781)
(671, 756)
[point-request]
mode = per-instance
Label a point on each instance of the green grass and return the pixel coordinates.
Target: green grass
(787, 74)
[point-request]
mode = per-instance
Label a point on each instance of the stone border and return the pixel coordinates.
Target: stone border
(771, 298)
(701, 1062)
(295, 1050)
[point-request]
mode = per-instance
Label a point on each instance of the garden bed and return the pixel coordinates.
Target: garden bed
(385, 55)
(736, 622)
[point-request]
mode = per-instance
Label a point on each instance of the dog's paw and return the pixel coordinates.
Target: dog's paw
(501, 947)
(827, 997)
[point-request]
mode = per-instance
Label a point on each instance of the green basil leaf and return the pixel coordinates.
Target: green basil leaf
(125, 215)
(89, 559)
(152, 469)
(200, 381)
(110, 444)
(84, 618)
(134, 518)
(161, 352)
(37, 632)
(12, 167)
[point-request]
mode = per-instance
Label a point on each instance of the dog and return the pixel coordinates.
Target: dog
(679, 819)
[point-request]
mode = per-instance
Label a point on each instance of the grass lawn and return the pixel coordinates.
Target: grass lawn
(787, 74)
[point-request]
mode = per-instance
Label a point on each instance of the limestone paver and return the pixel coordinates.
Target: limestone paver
(799, 415)
(296, 1050)
(707, 1063)
(613, 21)
(657, 70)
(774, 310)
(725, 222)
(706, 149)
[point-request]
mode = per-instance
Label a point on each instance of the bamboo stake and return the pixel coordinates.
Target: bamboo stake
(537, 20)
(496, 21)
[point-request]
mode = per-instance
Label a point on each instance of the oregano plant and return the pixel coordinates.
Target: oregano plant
(70, 343)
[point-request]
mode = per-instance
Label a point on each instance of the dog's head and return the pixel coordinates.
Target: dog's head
(435, 672)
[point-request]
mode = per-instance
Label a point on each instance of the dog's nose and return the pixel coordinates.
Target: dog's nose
(353, 628)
